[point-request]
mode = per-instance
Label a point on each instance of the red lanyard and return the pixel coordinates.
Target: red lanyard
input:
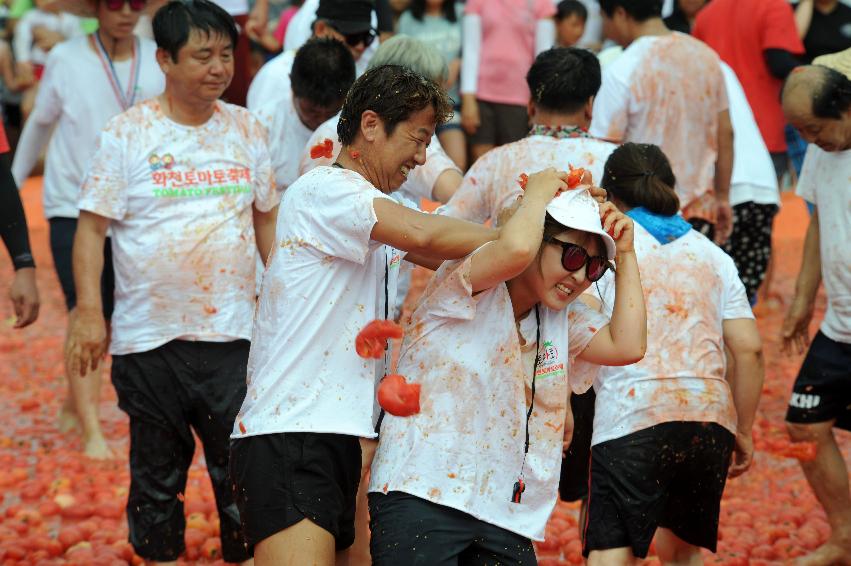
(125, 100)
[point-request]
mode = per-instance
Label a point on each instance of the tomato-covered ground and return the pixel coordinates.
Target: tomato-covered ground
(57, 507)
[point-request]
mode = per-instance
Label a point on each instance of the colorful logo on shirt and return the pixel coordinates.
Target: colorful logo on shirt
(155, 162)
(548, 362)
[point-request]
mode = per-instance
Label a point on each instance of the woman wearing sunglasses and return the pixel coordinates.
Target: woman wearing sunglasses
(87, 81)
(665, 428)
(496, 343)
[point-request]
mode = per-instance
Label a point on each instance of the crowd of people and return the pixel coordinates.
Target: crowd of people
(233, 195)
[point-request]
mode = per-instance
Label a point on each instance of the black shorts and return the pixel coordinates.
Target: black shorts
(411, 531)
(281, 479)
(750, 243)
(168, 392)
(670, 475)
(573, 483)
(822, 391)
(500, 123)
(62, 232)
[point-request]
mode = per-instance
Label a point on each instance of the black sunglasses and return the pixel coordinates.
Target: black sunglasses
(353, 39)
(574, 258)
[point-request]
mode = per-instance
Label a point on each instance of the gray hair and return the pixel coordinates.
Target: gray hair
(412, 53)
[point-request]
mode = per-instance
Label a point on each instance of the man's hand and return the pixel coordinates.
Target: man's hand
(258, 19)
(24, 295)
(46, 38)
(796, 326)
(742, 455)
(87, 341)
(723, 221)
(470, 119)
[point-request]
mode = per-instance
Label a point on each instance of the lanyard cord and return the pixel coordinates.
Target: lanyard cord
(386, 317)
(125, 100)
(534, 371)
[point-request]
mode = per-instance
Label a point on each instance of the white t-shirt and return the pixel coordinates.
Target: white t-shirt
(421, 180)
(23, 44)
(180, 199)
(491, 183)
(690, 288)
(464, 449)
(754, 179)
(824, 182)
(323, 283)
(668, 90)
(75, 95)
(271, 82)
(287, 137)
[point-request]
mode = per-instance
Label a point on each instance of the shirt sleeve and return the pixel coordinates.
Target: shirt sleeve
(323, 132)
(777, 28)
(48, 100)
(450, 292)
(423, 179)
(23, 40)
(474, 198)
(264, 186)
(806, 188)
(471, 39)
(611, 108)
(583, 323)
(104, 189)
(736, 304)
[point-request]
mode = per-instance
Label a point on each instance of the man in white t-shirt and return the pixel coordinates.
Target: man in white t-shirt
(323, 71)
(86, 81)
(817, 102)
(347, 21)
(667, 89)
(340, 240)
(184, 182)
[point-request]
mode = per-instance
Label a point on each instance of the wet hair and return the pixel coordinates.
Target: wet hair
(567, 8)
(639, 10)
(418, 8)
(174, 23)
(412, 53)
(639, 174)
(563, 79)
(323, 71)
(395, 93)
(832, 95)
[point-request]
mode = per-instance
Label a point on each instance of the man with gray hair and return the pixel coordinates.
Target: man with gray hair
(817, 102)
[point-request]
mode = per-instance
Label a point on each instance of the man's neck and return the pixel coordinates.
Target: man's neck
(186, 112)
(651, 27)
(118, 49)
(556, 119)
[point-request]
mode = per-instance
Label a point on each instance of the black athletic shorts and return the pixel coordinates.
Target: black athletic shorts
(573, 483)
(410, 531)
(168, 392)
(670, 475)
(500, 123)
(281, 479)
(62, 232)
(822, 391)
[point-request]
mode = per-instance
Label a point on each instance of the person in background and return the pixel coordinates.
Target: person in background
(87, 81)
(667, 89)
(438, 23)
(571, 16)
(817, 102)
(13, 230)
(347, 21)
(284, 20)
(684, 14)
(300, 28)
(500, 42)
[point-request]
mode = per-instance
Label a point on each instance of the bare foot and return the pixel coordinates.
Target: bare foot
(67, 420)
(829, 554)
(96, 448)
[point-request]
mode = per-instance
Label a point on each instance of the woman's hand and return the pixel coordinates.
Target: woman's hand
(619, 226)
(470, 119)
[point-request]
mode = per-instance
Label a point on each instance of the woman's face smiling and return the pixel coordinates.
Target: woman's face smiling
(554, 286)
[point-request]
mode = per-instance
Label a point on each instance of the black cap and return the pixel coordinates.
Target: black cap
(346, 16)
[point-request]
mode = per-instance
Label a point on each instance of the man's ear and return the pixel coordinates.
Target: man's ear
(370, 122)
(589, 109)
(531, 110)
(164, 60)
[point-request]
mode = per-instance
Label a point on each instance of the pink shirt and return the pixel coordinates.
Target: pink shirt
(508, 46)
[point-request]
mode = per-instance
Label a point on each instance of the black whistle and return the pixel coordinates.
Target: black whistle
(519, 488)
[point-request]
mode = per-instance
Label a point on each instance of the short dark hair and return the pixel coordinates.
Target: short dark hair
(394, 93)
(562, 79)
(639, 174)
(639, 10)
(448, 8)
(567, 8)
(832, 96)
(323, 71)
(174, 22)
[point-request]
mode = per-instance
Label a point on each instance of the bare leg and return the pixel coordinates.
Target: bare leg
(478, 150)
(611, 557)
(455, 145)
(828, 477)
(68, 413)
(583, 516)
(305, 543)
(358, 554)
(86, 395)
(674, 551)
